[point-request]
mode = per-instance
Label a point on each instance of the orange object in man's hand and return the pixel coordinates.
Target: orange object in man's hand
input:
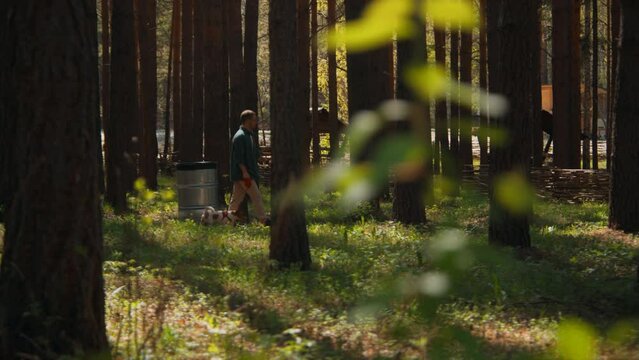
(248, 182)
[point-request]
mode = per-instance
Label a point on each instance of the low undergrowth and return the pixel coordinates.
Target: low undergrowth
(176, 290)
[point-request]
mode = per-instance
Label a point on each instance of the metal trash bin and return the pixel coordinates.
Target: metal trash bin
(197, 188)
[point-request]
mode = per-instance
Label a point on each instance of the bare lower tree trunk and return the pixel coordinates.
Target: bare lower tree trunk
(303, 47)
(506, 226)
(595, 84)
(51, 285)
(408, 197)
(123, 115)
(441, 148)
(251, 21)
(289, 239)
(454, 159)
(566, 95)
(586, 48)
(624, 197)
(332, 81)
(149, 89)
(216, 119)
(466, 115)
(169, 97)
(198, 76)
(106, 84)
(454, 106)
(236, 60)
(615, 28)
(483, 84)
(538, 58)
(177, 75)
(188, 150)
(317, 153)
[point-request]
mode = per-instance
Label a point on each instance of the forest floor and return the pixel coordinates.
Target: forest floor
(176, 289)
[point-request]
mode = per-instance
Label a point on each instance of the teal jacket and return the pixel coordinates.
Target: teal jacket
(244, 151)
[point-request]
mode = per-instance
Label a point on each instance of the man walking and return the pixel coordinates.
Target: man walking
(244, 173)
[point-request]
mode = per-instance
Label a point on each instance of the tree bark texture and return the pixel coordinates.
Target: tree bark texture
(51, 285)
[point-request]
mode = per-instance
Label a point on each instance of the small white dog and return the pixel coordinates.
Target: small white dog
(221, 217)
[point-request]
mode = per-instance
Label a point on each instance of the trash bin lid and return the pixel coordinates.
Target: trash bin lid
(200, 165)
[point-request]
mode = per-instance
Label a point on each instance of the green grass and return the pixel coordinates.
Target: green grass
(218, 294)
(177, 290)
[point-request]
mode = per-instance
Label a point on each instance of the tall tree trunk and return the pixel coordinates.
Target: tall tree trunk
(124, 106)
(251, 21)
(538, 58)
(455, 156)
(236, 60)
(441, 112)
(367, 84)
(177, 75)
(466, 115)
(594, 125)
(169, 97)
(188, 150)
(545, 72)
(105, 77)
(483, 83)
(332, 80)
(317, 153)
(303, 47)
(506, 226)
(149, 88)
(586, 118)
(198, 76)
(51, 285)
(624, 197)
(615, 28)
(408, 199)
(289, 239)
(566, 93)
(216, 123)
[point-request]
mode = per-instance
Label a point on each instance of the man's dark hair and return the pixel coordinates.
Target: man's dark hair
(247, 115)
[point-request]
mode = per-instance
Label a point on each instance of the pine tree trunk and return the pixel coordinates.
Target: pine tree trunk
(466, 115)
(216, 119)
(188, 150)
(615, 28)
(251, 21)
(289, 239)
(538, 58)
(198, 76)
(105, 82)
(566, 93)
(304, 68)
(123, 114)
(624, 197)
(455, 156)
(367, 84)
(515, 45)
(332, 81)
(149, 89)
(545, 73)
(177, 75)
(408, 197)
(169, 97)
(236, 60)
(441, 148)
(317, 154)
(51, 285)
(594, 125)
(586, 48)
(483, 83)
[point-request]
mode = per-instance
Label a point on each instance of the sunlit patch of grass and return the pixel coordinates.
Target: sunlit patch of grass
(227, 301)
